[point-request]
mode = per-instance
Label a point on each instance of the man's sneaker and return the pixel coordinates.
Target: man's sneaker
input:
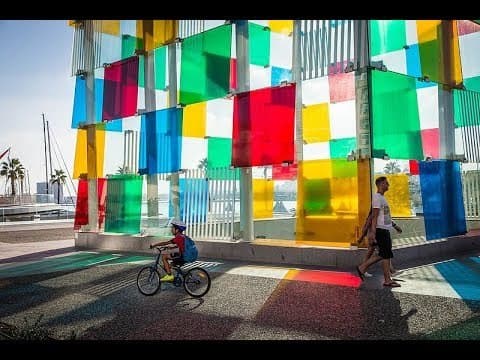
(367, 274)
(168, 277)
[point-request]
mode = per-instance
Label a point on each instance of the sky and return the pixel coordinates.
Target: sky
(35, 68)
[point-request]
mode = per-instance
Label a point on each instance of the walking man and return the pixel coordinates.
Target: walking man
(379, 233)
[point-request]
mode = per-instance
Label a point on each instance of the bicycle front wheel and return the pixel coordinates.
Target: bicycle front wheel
(196, 282)
(148, 281)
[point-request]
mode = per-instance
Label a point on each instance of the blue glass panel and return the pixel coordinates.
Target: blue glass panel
(79, 115)
(280, 74)
(442, 197)
(198, 208)
(161, 141)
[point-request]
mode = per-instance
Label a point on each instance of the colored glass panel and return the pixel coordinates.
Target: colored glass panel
(414, 67)
(432, 57)
(120, 89)
(129, 45)
(233, 74)
(124, 203)
(81, 208)
(111, 27)
(340, 148)
(157, 32)
(326, 209)
(259, 44)
(413, 164)
(430, 143)
(263, 127)
(386, 36)
(219, 152)
(466, 107)
(342, 87)
(160, 59)
(395, 117)
(279, 75)
(262, 198)
(111, 48)
(442, 198)
(102, 200)
(316, 123)
(467, 27)
(398, 195)
(284, 172)
(80, 163)
(281, 26)
(472, 83)
(205, 67)
(198, 200)
(194, 120)
(160, 141)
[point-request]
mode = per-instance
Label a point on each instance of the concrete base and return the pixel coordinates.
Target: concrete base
(286, 252)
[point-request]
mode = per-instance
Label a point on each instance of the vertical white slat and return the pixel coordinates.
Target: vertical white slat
(335, 46)
(318, 47)
(204, 198)
(329, 45)
(223, 204)
(217, 209)
(210, 218)
(341, 60)
(187, 193)
(194, 200)
(312, 48)
(322, 41)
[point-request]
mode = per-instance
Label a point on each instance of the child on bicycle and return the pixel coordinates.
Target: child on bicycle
(176, 249)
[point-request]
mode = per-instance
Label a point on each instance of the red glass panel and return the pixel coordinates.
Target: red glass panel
(430, 142)
(81, 209)
(413, 167)
(263, 127)
(467, 27)
(233, 74)
(120, 89)
(102, 197)
(342, 87)
(280, 172)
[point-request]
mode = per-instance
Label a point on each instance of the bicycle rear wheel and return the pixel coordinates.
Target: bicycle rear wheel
(148, 280)
(196, 282)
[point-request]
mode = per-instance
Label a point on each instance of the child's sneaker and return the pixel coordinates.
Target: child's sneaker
(367, 274)
(168, 277)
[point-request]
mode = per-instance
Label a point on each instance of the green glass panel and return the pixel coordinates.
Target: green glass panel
(220, 156)
(129, 45)
(472, 83)
(205, 67)
(395, 118)
(219, 152)
(124, 202)
(429, 59)
(160, 56)
(340, 148)
(386, 36)
(466, 107)
(317, 196)
(259, 42)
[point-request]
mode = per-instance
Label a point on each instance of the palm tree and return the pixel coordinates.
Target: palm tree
(12, 170)
(203, 164)
(123, 170)
(392, 167)
(59, 178)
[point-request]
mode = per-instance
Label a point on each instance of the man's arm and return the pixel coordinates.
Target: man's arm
(373, 227)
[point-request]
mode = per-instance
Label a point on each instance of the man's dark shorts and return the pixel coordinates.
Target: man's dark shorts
(384, 242)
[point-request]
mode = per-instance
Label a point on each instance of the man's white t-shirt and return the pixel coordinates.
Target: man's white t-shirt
(384, 220)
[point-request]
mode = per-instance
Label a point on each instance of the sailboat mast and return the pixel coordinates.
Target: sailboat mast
(49, 150)
(46, 162)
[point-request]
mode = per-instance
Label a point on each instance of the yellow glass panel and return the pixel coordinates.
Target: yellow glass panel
(262, 198)
(427, 30)
(398, 194)
(72, 22)
(281, 26)
(164, 31)
(316, 169)
(337, 229)
(111, 27)
(194, 120)
(316, 123)
(80, 164)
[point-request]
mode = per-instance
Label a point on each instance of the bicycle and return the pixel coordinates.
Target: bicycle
(195, 280)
